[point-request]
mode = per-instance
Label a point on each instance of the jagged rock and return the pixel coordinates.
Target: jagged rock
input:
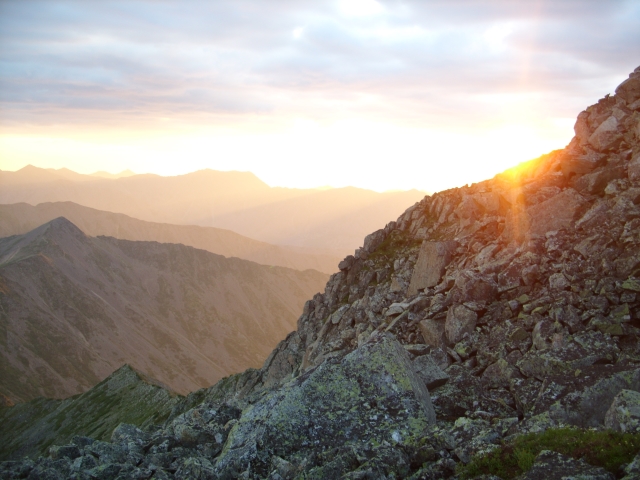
(65, 451)
(472, 287)
(624, 413)
(196, 468)
(582, 350)
(430, 372)
(206, 423)
(460, 320)
(588, 408)
(557, 212)
(542, 334)
(432, 261)
(555, 466)
(373, 393)
(633, 169)
(632, 471)
(629, 90)
(433, 332)
(500, 374)
(606, 136)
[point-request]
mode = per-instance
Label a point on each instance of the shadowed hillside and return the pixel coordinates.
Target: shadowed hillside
(74, 308)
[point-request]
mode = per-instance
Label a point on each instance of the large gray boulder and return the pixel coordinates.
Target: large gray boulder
(432, 260)
(429, 371)
(373, 396)
(624, 413)
(587, 409)
(460, 320)
(557, 212)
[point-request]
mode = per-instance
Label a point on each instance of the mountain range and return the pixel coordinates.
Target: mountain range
(73, 308)
(332, 221)
(20, 218)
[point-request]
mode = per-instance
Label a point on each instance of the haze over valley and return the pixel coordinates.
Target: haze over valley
(332, 221)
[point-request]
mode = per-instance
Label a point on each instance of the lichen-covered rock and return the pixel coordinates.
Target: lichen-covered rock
(429, 371)
(555, 466)
(500, 374)
(589, 407)
(632, 470)
(624, 413)
(433, 332)
(580, 351)
(460, 320)
(372, 395)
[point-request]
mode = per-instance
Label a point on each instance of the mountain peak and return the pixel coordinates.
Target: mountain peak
(62, 225)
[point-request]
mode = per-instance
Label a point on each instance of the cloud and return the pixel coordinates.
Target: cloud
(240, 57)
(443, 67)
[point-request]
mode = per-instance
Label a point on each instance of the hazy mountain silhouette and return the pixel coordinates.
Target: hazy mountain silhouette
(102, 174)
(74, 308)
(334, 219)
(21, 218)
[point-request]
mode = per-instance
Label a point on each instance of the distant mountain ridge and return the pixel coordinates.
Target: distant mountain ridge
(74, 308)
(20, 218)
(335, 219)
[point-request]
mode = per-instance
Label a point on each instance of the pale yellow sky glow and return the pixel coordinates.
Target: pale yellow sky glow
(375, 155)
(383, 95)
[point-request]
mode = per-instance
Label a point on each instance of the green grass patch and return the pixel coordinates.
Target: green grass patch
(607, 449)
(395, 242)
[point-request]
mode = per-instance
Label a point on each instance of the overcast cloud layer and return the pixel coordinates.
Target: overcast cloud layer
(451, 65)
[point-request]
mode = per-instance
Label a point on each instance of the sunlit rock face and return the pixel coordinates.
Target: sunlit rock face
(529, 319)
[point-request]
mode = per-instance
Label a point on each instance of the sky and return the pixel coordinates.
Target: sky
(378, 94)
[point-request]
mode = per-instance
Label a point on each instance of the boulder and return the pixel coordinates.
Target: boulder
(427, 369)
(632, 470)
(372, 396)
(373, 240)
(346, 263)
(500, 374)
(432, 332)
(596, 182)
(460, 320)
(433, 258)
(542, 334)
(583, 163)
(558, 281)
(555, 466)
(588, 408)
(629, 90)
(633, 169)
(583, 350)
(472, 287)
(606, 136)
(556, 213)
(624, 413)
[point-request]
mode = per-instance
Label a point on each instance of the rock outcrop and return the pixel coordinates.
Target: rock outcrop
(516, 301)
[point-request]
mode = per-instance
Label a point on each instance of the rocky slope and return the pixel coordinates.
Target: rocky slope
(20, 218)
(74, 308)
(333, 221)
(125, 396)
(483, 313)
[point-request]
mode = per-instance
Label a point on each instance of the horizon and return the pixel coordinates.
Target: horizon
(106, 175)
(380, 95)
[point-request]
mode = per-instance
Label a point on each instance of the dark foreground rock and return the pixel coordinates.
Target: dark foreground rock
(506, 307)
